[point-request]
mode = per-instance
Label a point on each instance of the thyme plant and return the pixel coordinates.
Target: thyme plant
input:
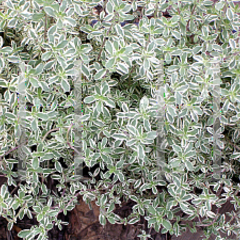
(160, 112)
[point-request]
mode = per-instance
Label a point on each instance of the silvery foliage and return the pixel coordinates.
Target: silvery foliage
(199, 48)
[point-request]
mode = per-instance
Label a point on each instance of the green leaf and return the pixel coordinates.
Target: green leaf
(119, 136)
(102, 219)
(120, 176)
(131, 142)
(85, 70)
(176, 34)
(190, 154)
(37, 16)
(109, 47)
(35, 163)
(58, 166)
(189, 165)
(24, 233)
(89, 99)
(71, 21)
(10, 226)
(110, 63)
(85, 117)
(104, 88)
(34, 124)
(123, 68)
(168, 58)
(50, 11)
(14, 59)
(144, 103)
(2, 63)
(235, 155)
(166, 223)
(48, 156)
(39, 217)
(219, 5)
(62, 44)
(109, 7)
(43, 116)
(132, 130)
(133, 220)
(34, 82)
(99, 74)
(111, 219)
(146, 125)
(65, 85)
(111, 207)
(151, 135)
(134, 198)
(140, 151)
(39, 69)
(46, 56)
(175, 162)
(6, 50)
(119, 30)
(152, 210)
(49, 65)
(4, 83)
(161, 182)
(110, 103)
(176, 148)
(230, 14)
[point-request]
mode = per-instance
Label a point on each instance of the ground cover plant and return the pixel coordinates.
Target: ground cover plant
(159, 120)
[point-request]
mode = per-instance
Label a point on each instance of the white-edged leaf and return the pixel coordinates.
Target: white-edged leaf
(166, 223)
(50, 11)
(65, 85)
(99, 74)
(58, 166)
(119, 136)
(24, 233)
(144, 103)
(35, 163)
(176, 148)
(151, 135)
(46, 56)
(89, 99)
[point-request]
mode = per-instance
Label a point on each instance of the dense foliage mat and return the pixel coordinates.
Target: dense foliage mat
(159, 121)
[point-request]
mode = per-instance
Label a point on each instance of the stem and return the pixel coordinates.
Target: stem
(11, 150)
(52, 130)
(69, 130)
(45, 27)
(232, 218)
(63, 192)
(231, 143)
(31, 6)
(209, 188)
(220, 190)
(68, 143)
(73, 148)
(20, 212)
(90, 190)
(105, 39)
(15, 188)
(209, 224)
(68, 203)
(156, 9)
